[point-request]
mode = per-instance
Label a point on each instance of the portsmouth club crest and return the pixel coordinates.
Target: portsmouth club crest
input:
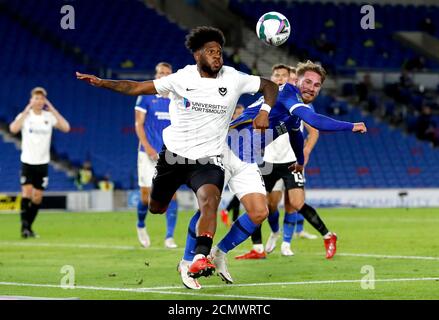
(222, 91)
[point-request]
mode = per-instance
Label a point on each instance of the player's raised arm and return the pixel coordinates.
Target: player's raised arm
(131, 88)
(270, 91)
(17, 124)
(321, 122)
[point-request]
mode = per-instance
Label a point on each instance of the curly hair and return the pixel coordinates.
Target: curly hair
(199, 36)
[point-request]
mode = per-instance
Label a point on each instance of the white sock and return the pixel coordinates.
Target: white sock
(259, 248)
(198, 256)
(327, 236)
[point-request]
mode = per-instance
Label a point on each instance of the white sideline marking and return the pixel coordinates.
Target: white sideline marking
(265, 284)
(159, 290)
(365, 255)
(115, 247)
(145, 290)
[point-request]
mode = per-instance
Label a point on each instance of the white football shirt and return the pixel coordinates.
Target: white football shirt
(279, 151)
(201, 109)
(36, 137)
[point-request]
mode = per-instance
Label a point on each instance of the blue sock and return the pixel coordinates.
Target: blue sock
(273, 221)
(239, 232)
(289, 225)
(299, 225)
(191, 240)
(171, 218)
(142, 210)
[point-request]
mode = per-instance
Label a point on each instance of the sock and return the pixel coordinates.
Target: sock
(24, 213)
(142, 210)
(259, 248)
(289, 225)
(204, 245)
(313, 218)
(33, 212)
(239, 232)
(299, 223)
(171, 218)
(257, 235)
(191, 240)
(273, 221)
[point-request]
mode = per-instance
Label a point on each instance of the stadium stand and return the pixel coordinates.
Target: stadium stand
(317, 27)
(102, 122)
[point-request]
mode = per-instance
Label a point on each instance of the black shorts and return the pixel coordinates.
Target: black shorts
(36, 175)
(172, 171)
(292, 180)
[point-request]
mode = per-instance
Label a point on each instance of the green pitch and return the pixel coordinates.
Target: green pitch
(397, 248)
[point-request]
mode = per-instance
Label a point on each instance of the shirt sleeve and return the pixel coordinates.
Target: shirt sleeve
(53, 120)
(289, 99)
(247, 83)
(166, 84)
(142, 104)
(321, 122)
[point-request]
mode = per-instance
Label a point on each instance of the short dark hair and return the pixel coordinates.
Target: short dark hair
(199, 36)
(280, 66)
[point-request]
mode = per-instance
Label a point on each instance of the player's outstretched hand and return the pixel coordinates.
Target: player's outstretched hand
(295, 167)
(261, 121)
(359, 127)
(93, 80)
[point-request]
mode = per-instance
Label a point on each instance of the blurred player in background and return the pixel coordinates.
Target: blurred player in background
(152, 117)
(36, 123)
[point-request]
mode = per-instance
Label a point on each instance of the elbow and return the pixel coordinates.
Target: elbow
(13, 129)
(67, 128)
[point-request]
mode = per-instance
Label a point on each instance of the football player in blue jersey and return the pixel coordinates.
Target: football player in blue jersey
(152, 117)
(246, 146)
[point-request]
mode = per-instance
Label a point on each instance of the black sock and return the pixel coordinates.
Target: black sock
(204, 244)
(310, 214)
(33, 211)
(257, 235)
(24, 213)
(235, 212)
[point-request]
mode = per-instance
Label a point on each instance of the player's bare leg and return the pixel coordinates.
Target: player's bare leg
(208, 197)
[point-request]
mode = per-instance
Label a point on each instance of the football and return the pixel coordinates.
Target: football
(273, 28)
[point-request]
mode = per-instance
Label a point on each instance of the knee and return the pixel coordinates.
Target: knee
(37, 199)
(258, 215)
(157, 207)
(144, 200)
(272, 207)
(209, 203)
(297, 204)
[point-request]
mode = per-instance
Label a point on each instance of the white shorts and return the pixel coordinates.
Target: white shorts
(145, 169)
(243, 178)
(279, 186)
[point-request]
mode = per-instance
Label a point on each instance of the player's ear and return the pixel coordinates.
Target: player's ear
(197, 55)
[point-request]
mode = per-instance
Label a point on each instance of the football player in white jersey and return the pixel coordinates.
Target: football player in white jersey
(35, 123)
(203, 98)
